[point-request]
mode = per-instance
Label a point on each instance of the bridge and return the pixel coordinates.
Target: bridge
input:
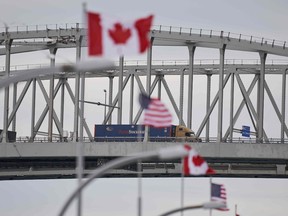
(32, 156)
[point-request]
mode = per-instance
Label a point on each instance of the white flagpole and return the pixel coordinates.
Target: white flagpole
(139, 171)
(182, 184)
(210, 193)
(80, 145)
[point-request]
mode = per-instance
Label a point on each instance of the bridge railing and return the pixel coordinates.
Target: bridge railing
(180, 30)
(164, 63)
(40, 27)
(156, 139)
(210, 33)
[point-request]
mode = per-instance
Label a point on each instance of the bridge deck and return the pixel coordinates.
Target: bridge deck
(58, 160)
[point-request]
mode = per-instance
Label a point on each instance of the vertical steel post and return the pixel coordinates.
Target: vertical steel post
(62, 106)
(82, 98)
(8, 44)
(149, 68)
(208, 106)
(80, 145)
(283, 105)
(14, 103)
(231, 106)
(181, 97)
(77, 89)
(131, 99)
(220, 101)
(33, 110)
(191, 49)
(120, 89)
(51, 96)
(159, 87)
(148, 80)
(110, 97)
(261, 96)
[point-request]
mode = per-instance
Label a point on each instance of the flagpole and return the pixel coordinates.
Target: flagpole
(182, 185)
(210, 181)
(235, 209)
(139, 173)
(80, 145)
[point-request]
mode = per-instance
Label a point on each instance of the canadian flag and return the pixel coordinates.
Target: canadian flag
(110, 37)
(194, 164)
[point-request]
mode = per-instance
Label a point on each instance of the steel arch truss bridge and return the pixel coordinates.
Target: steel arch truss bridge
(218, 98)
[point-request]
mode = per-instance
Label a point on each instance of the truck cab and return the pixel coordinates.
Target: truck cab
(185, 134)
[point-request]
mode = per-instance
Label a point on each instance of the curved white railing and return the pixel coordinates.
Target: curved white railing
(180, 30)
(166, 63)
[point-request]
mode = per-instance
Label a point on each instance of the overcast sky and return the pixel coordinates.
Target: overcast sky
(261, 18)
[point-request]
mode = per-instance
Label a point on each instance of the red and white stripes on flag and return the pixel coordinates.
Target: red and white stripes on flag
(194, 164)
(218, 194)
(155, 112)
(110, 37)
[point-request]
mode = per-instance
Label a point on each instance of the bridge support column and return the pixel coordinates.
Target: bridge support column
(283, 105)
(260, 109)
(62, 106)
(120, 89)
(221, 87)
(148, 82)
(14, 104)
(191, 49)
(77, 89)
(110, 97)
(181, 97)
(82, 98)
(160, 86)
(131, 99)
(149, 67)
(51, 95)
(232, 106)
(208, 106)
(33, 110)
(8, 44)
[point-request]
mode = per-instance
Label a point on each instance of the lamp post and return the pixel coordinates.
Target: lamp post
(207, 205)
(105, 94)
(173, 152)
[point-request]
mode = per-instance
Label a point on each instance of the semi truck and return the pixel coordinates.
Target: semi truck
(133, 133)
(11, 136)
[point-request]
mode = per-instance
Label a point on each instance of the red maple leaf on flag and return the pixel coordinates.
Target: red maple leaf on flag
(119, 34)
(198, 160)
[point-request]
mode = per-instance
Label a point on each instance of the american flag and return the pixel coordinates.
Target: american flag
(218, 194)
(155, 112)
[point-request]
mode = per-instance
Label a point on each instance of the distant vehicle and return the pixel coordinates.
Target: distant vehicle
(133, 133)
(11, 136)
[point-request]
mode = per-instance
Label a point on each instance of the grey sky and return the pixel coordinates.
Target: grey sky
(107, 197)
(262, 18)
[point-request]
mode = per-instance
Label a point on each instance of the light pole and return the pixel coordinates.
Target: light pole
(173, 152)
(207, 205)
(105, 94)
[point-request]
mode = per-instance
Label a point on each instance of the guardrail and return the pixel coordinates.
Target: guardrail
(223, 34)
(156, 139)
(23, 28)
(165, 63)
(180, 30)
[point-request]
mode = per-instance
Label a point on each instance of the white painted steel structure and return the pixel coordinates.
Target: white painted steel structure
(56, 37)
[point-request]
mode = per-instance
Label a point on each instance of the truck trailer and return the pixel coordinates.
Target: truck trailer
(11, 136)
(134, 133)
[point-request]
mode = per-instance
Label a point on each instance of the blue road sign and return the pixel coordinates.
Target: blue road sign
(245, 131)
